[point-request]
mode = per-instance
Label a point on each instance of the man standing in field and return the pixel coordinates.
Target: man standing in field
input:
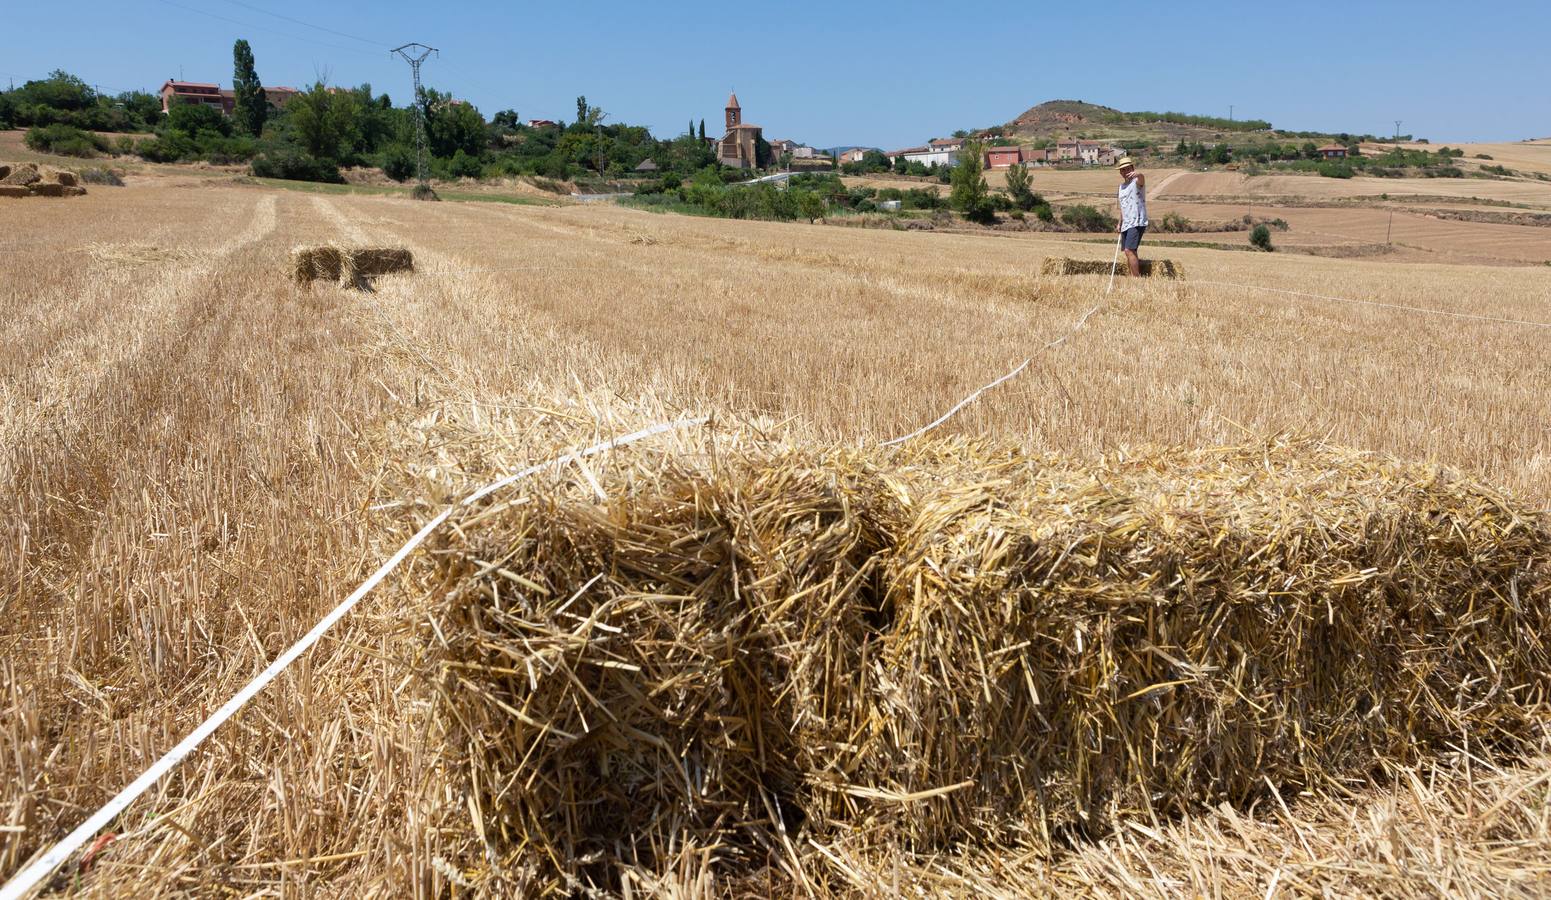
(1133, 213)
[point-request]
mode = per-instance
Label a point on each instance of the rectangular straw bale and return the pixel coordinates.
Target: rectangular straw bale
(1059, 265)
(13, 190)
(309, 264)
(46, 189)
(959, 644)
(363, 264)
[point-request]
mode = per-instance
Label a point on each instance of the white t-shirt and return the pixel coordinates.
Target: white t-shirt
(1133, 206)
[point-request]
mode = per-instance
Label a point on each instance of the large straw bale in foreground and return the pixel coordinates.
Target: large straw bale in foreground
(348, 267)
(1061, 265)
(965, 645)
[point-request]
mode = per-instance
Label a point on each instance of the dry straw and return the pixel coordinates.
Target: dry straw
(960, 647)
(1059, 265)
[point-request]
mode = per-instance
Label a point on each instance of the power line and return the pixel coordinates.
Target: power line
(377, 44)
(283, 34)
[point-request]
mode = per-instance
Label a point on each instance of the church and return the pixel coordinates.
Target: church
(739, 147)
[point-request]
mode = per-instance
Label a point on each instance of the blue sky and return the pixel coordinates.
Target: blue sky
(883, 73)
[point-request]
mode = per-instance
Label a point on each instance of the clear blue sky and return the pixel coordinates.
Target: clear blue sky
(876, 73)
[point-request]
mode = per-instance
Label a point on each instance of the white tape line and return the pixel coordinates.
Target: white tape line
(1013, 374)
(41, 868)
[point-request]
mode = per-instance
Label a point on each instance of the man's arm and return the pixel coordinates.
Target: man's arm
(1141, 186)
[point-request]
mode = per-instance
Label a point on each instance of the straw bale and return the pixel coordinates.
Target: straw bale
(46, 189)
(1058, 265)
(68, 179)
(369, 262)
(5, 172)
(23, 174)
(13, 190)
(349, 268)
(964, 646)
(73, 191)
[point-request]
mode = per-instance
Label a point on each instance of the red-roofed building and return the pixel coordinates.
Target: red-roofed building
(1003, 157)
(1332, 151)
(194, 92)
(216, 96)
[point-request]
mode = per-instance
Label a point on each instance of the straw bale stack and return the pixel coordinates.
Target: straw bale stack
(348, 267)
(1059, 265)
(962, 646)
(28, 180)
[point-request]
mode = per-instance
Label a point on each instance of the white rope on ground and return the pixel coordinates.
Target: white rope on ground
(1380, 304)
(57, 855)
(1010, 375)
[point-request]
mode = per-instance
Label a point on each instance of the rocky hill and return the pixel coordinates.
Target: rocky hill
(1067, 119)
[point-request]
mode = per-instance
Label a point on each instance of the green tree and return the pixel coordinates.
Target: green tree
(251, 106)
(1260, 237)
(1183, 148)
(763, 155)
(702, 129)
(971, 195)
(452, 125)
(193, 118)
(324, 121)
(810, 206)
(1018, 188)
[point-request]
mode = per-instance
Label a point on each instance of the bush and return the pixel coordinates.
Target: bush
(170, 147)
(1261, 238)
(398, 162)
(294, 166)
(1483, 156)
(463, 165)
(65, 140)
(124, 145)
(1335, 170)
(1045, 213)
(1083, 217)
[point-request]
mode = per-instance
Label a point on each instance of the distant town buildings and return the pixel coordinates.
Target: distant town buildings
(739, 146)
(214, 95)
(947, 151)
(542, 123)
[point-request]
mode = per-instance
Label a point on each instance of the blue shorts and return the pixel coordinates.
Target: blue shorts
(1131, 238)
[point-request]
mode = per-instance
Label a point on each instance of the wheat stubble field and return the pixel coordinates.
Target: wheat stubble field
(200, 460)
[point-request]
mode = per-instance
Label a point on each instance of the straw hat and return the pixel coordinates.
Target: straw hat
(1124, 162)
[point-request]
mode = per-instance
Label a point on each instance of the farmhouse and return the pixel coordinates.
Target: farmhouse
(542, 123)
(739, 146)
(855, 154)
(781, 145)
(216, 96)
(1332, 151)
(1003, 157)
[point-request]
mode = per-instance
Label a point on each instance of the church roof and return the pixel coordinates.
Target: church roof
(732, 101)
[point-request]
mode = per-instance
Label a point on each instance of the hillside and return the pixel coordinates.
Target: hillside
(1067, 119)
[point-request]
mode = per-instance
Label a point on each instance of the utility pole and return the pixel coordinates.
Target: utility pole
(1230, 112)
(1397, 131)
(415, 54)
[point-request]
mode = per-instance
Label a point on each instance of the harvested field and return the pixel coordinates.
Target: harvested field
(202, 460)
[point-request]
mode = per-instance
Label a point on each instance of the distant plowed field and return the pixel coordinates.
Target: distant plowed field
(200, 459)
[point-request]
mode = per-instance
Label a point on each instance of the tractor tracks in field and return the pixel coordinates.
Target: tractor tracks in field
(126, 313)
